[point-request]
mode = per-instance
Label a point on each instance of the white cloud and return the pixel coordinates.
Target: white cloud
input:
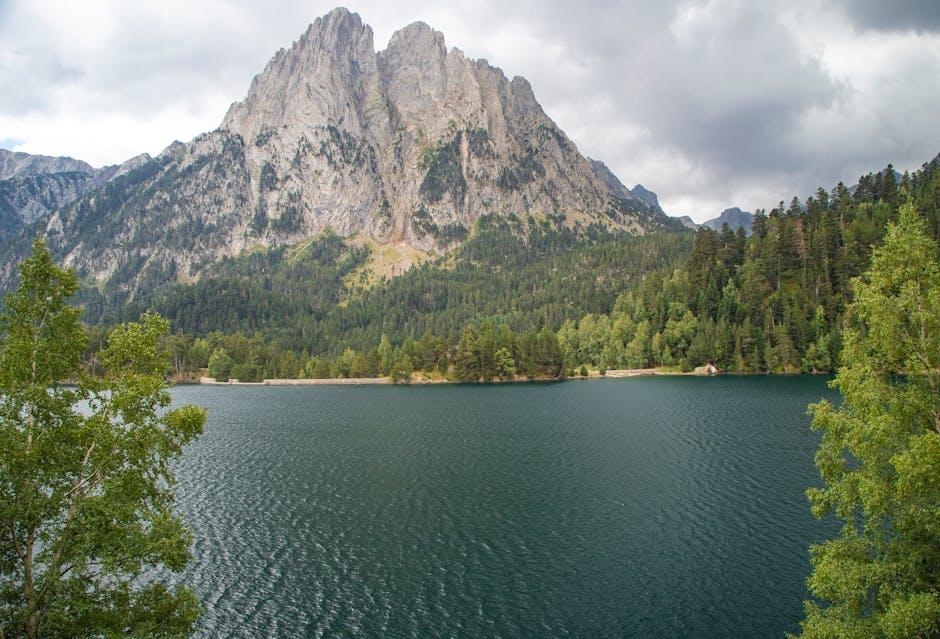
(711, 103)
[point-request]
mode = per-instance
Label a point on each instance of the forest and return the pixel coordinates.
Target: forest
(533, 298)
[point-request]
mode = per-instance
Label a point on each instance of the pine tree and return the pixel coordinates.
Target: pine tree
(386, 355)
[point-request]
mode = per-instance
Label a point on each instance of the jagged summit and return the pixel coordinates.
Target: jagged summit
(409, 145)
(405, 142)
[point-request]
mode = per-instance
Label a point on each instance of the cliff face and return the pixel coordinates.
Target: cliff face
(404, 143)
(409, 145)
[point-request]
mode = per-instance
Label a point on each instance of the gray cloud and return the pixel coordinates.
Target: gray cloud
(897, 15)
(711, 103)
(28, 75)
(723, 86)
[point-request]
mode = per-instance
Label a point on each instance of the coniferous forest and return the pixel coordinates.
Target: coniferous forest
(536, 298)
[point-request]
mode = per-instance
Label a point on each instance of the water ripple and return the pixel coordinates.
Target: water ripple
(625, 508)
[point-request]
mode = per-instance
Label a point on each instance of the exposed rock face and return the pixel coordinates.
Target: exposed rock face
(647, 196)
(23, 200)
(412, 144)
(733, 217)
(403, 143)
(613, 183)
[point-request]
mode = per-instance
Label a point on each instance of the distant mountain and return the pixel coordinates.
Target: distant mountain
(14, 164)
(32, 187)
(612, 181)
(733, 217)
(408, 146)
(644, 194)
(869, 179)
(647, 196)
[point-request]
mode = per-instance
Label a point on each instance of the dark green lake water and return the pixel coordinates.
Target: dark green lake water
(645, 507)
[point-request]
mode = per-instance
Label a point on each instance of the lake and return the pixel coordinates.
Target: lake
(642, 507)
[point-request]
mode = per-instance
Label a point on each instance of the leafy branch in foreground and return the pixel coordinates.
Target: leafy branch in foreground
(880, 453)
(86, 487)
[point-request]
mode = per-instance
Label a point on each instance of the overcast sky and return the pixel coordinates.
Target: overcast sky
(708, 103)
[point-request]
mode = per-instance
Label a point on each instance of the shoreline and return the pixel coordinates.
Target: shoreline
(425, 381)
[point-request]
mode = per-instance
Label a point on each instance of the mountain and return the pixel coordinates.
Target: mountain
(409, 146)
(33, 186)
(647, 196)
(733, 217)
(614, 184)
(773, 301)
(15, 164)
(642, 193)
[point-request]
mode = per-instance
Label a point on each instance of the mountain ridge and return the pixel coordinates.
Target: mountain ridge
(17, 164)
(32, 187)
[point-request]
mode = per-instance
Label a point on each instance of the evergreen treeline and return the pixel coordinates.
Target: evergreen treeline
(773, 302)
(526, 273)
(481, 352)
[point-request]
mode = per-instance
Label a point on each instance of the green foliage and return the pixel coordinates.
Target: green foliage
(526, 274)
(504, 363)
(86, 499)
(444, 172)
(880, 453)
(260, 290)
(524, 170)
(774, 302)
(386, 355)
(268, 177)
(450, 233)
(402, 369)
(479, 143)
(220, 365)
(342, 149)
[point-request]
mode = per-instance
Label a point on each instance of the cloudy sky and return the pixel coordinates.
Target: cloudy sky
(710, 103)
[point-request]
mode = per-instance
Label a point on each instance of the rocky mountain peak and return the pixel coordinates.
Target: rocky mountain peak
(341, 35)
(616, 186)
(417, 43)
(302, 82)
(410, 145)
